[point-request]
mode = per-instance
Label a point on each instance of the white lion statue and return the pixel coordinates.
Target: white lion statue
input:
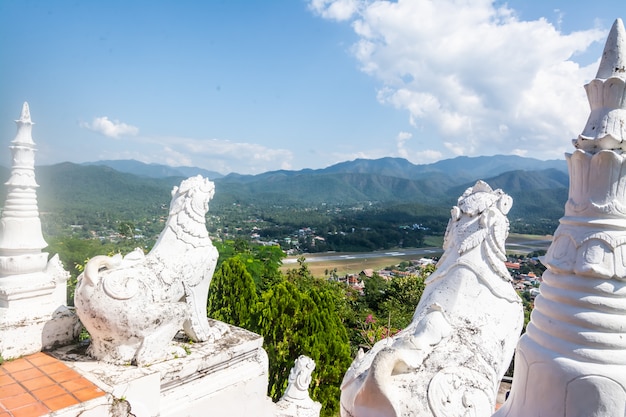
(133, 306)
(451, 357)
(296, 401)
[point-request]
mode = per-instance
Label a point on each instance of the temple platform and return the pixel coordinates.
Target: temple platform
(227, 377)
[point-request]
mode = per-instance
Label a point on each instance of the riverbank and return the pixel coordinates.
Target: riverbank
(321, 264)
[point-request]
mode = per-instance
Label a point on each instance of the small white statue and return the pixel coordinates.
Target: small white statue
(133, 306)
(450, 359)
(296, 401)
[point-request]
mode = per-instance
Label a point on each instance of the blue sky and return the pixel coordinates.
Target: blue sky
(251, 86)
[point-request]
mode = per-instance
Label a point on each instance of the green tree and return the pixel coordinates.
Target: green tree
(403, 294)
(329, 347)
(232, 296)
(241, 245)
(283, 321)
(304, 321)
(387, 307)
(262, 262)
(226, 250)
(126, 229)
(375, 292)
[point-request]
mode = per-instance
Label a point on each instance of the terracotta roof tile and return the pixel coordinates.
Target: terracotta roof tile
(38, 384)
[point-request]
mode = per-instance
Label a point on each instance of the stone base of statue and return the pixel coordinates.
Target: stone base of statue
(225, 377)
(286, 408)
(27, 334)
(33, 311)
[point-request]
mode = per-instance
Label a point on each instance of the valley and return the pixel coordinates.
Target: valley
(361, 206)
(355, 262)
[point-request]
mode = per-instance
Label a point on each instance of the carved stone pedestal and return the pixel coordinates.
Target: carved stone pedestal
(227, 377)
(23, 335)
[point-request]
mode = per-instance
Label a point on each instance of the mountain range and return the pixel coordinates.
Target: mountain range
(539, 188)
(398, 180)
(462, 166)
(141, 169)
(385, 179)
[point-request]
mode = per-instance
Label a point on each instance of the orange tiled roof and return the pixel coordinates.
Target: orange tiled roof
(38, 384)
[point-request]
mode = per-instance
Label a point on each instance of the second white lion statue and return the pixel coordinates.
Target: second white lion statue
(449, 360)
(133, 306)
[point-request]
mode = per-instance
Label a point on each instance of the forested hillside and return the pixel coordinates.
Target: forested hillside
(98, 197)
(358, 205)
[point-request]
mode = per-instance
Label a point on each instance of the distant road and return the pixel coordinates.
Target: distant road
(526, 246)
(329, 256)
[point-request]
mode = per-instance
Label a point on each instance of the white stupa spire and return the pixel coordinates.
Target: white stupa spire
(33, 289)
(605, 128)
(20, 226)
(613, 63)
(25, 115)
(24, 127)
(572, 359)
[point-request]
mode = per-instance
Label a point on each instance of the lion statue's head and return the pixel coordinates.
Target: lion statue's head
(194, 194)
(190, 203)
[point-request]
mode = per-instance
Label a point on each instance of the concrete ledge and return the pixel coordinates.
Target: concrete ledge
(225, 377)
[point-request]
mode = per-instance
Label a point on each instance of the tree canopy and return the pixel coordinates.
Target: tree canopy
(232, 296)
(296, 314)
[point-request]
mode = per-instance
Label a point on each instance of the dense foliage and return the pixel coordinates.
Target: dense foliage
(232, 298)
(295, 313)
(298, 314)
(387, 306)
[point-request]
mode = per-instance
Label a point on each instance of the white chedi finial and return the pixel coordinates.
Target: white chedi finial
(613, 63)
(25, 115)
(606, 125)
(24, 127)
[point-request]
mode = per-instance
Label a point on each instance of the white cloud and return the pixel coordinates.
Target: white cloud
(426, 156)
(337, 157)
(222, 155)
(477, 78)
(455, 148)
(334, 9)
(110, 128)
(401, 140)
(176, 159)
